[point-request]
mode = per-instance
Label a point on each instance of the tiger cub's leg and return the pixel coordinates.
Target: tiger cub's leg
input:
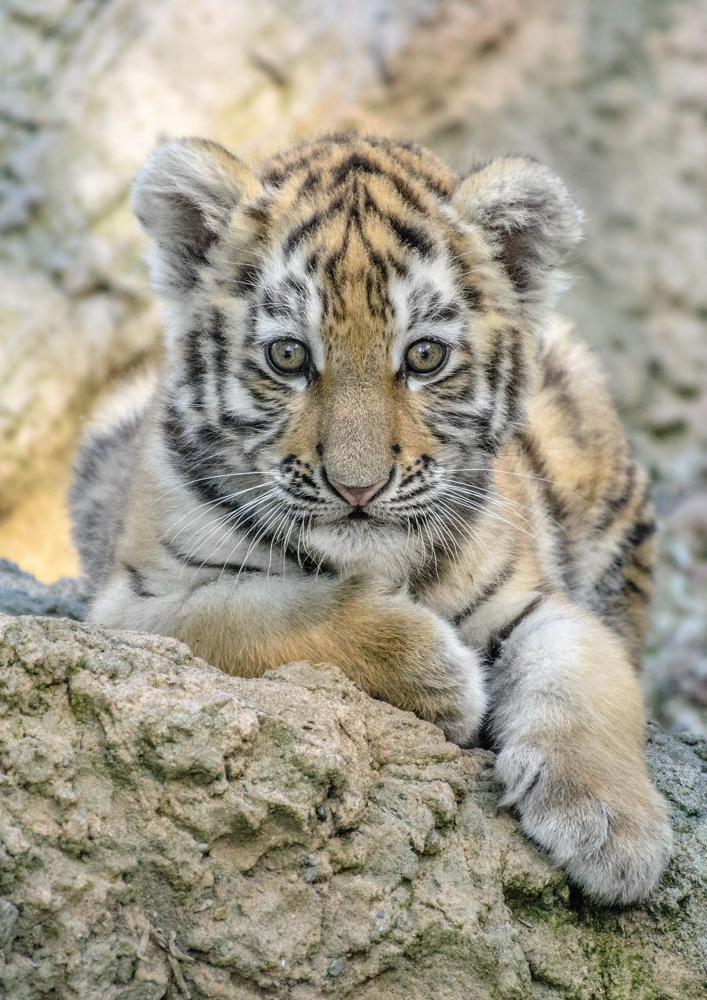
(390, 646)
(567, 714)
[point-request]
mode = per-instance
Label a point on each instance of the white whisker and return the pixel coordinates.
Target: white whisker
(483, 509)
(237, 515)
(217, 502)
(205, 479)
(481, 491)
(522, 475)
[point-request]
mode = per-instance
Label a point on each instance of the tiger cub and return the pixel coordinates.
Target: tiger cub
(371, 444)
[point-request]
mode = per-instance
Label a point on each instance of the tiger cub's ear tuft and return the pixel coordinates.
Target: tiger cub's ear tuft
(532, 221)
(184, 197)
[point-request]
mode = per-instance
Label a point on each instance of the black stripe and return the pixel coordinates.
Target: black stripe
(473, 297)
(494, 364)
(517, 381)
(217, 334)
(377, 295)
(238, 424)
(640, 533)
(197, 452)
(463, 368)
(261, 384)
(424, 488)
(137, 582)
(258, 212)
(275, 308)
(613, 506)
(407, 193)
(203, 564)
(410, 236)
(245, 279)
(311, 182)
(613, 581)
(486, 594)
(440, 435)
(301, 231)
(495, 643)
(438, 312)
(556, 508)
(279, 170)
(356, 163)
(197, 367)
(556, 379)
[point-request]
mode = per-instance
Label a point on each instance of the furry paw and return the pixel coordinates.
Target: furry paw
(614, 841)
(460, 721)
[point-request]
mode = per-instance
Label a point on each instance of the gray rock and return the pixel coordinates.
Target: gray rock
(8, 919)
(22, 594)
(160, 823)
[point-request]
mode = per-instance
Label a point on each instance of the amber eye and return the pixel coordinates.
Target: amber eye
(426, 356)
(288, 356)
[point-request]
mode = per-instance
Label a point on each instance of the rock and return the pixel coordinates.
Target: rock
(170, 831)
(8, 919)
(23, 594)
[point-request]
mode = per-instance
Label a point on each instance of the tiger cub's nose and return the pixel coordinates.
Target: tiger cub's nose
(358, 495)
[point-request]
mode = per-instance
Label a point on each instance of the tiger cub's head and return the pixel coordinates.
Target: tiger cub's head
(354, 322)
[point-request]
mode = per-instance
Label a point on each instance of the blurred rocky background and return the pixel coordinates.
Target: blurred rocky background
(612, 94)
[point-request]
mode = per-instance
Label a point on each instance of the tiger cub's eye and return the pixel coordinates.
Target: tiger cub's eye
(288, 356)
(426, 356)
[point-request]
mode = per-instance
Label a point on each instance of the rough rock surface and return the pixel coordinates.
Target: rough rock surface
(168, 831)
(22, 594)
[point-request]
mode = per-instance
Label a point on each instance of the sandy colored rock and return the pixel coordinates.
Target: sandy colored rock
(168, 831)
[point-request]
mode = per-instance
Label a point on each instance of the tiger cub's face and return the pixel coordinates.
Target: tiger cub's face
(356, 324)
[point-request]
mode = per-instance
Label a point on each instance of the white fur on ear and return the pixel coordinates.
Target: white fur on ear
(184, 197)
(533, 223)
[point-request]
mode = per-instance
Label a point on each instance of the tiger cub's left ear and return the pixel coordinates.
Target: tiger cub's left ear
(532, 222)
(183, 198)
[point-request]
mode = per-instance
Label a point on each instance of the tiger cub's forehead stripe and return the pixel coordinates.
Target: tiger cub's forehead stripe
(357, 176)
(371, 155)
(361, 209)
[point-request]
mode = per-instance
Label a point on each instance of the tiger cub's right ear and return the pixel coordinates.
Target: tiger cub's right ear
(183, 198)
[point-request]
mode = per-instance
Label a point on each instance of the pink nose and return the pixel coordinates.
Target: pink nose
(358, 495)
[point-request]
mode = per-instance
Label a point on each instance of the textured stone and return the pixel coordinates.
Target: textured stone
(167, 831)
(22, 594)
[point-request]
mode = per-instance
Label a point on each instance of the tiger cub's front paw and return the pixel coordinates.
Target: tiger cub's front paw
(462, 710)
(610, 832)
(413, 658)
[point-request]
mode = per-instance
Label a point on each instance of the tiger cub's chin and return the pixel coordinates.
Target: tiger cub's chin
(381, 551)
(370, 442)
